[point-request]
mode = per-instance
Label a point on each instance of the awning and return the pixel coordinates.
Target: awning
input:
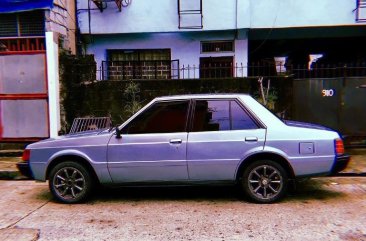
(11, 6)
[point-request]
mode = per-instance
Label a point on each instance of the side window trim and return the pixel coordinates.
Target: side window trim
(191, 115)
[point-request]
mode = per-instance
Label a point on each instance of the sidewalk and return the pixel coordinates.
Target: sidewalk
(9, 171)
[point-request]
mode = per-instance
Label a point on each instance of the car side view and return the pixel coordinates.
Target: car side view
(190, 139)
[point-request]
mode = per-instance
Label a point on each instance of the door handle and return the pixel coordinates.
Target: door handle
(175, 141)
(251, 139)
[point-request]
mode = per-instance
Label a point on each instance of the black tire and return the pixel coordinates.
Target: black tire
(70, 182)
(264, 181)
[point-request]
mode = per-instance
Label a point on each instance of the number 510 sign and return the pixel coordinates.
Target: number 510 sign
(328, 93)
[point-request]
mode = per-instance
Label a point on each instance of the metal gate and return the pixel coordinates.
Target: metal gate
(339, 103)
(23, 96)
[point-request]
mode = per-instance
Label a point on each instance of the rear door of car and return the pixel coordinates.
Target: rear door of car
(153, 145)
(222, 132)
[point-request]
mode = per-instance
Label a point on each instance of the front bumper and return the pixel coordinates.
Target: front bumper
(340, 163)
(24, 169)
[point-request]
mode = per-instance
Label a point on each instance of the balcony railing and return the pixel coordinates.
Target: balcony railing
(21, 44)
(127, 70)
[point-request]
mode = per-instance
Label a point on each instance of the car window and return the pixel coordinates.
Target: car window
(220, 115)
(240, 118)
(161, 117)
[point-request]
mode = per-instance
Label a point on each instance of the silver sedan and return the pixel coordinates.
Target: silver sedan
(190, 139)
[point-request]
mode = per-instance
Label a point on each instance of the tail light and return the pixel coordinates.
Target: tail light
(339, 147)
(26, 155)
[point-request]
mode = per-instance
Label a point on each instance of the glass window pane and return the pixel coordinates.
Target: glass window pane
(240, 119)
(163, 117)
(211, 116)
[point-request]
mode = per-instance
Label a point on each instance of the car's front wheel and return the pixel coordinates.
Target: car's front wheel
(264, 181)
(70, 182)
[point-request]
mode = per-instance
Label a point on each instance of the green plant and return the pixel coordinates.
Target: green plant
(266, 95)
(131, 92)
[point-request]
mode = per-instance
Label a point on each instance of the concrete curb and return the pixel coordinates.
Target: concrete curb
(11, 175)
(8, 175)
(8, 169)
(11, 153)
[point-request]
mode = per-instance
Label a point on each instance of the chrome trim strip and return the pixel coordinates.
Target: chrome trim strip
(142, 143)
(167, 161)
(71, 147)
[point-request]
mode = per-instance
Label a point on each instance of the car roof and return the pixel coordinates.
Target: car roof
(203, 96)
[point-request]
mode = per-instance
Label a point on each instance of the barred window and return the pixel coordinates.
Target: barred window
(22, 24)
(139, 64)
(9, 25)
(31, 23)
(138, 54)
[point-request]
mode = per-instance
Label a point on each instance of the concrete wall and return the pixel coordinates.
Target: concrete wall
(162, 16)
(184, 46)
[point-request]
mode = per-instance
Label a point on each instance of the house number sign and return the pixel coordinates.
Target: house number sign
(328, 93)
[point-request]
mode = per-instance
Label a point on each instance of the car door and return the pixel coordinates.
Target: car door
(222, 133)
(153, 145)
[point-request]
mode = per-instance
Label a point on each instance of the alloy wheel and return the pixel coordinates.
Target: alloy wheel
(69, 183)
(265, 182)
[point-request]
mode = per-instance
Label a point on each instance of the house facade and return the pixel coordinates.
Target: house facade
(32, 33)
(167, 39)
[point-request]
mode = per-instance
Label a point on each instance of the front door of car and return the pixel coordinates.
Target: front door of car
(153, 145)
(222, 133)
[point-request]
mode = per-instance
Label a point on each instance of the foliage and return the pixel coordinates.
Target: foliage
(266, 95)
(131, 92)
(82, 96)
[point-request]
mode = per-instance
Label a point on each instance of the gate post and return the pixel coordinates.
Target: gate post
(53, 83)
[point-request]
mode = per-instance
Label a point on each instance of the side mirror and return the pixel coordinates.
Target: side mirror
(118, 133)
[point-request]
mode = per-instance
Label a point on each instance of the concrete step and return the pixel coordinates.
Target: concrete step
(11, 153)
(8, 168)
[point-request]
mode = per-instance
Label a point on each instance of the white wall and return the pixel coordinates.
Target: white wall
(184, 46)
(162, 16)
(296, 13)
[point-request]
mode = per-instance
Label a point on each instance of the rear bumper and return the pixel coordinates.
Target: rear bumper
(340, 163)
(24, 169)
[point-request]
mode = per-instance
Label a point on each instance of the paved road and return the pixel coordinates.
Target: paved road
(321, 209)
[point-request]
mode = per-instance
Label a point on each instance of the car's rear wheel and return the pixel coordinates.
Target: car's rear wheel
(264, 181)
(70, 182)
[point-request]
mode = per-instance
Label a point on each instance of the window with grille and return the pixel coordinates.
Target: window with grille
(139, 64)
(22, 24)
(217, 46)
(9, 25)
(139, 55)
